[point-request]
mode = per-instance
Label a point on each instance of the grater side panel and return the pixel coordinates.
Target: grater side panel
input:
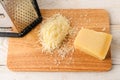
(21, 12)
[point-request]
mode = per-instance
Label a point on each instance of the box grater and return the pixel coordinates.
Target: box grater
(24, 14)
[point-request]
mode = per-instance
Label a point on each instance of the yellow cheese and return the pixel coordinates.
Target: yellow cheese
(93, 43)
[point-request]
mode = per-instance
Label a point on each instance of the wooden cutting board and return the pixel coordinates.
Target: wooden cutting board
(25, 54)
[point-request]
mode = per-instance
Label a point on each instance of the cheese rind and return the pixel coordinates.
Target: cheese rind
(93, 43)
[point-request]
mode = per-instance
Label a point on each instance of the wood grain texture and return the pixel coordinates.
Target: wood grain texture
(111, 75)
(115, 47)
(113, 7)
(24, 54)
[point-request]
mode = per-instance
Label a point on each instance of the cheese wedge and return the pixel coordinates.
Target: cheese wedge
(93, 43)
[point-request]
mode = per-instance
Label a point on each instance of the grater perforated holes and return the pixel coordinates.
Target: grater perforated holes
(21, 12)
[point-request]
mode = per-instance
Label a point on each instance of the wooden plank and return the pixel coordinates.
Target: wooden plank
(6, 74)
(115, 47)
(25, 54)
(113, 7)
(3, 51)
(79, 4)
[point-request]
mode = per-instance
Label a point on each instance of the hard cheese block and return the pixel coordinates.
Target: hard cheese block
(93, 42)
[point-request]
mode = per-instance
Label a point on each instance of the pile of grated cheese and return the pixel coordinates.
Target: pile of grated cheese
(53, 31)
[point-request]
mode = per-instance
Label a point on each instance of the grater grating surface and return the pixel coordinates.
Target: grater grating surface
(22, 12)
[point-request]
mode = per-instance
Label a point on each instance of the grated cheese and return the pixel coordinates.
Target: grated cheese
(53, 31)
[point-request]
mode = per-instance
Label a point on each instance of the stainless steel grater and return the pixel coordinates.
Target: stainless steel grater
(24, 14)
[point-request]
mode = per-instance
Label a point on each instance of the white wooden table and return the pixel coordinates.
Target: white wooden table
(112, 6)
